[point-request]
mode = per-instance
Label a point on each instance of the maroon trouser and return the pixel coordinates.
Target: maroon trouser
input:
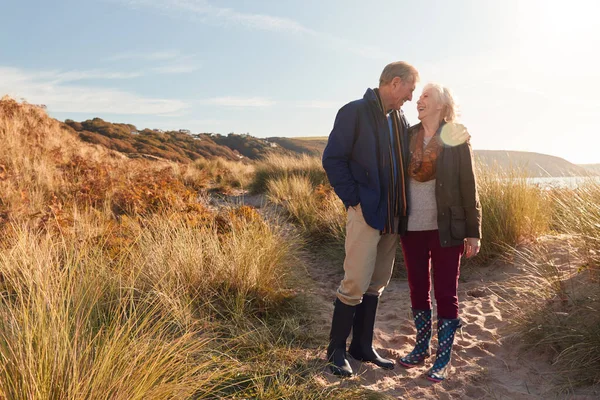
(420, 248)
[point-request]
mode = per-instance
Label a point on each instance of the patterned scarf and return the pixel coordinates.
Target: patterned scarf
(396, 202)
(423, 158)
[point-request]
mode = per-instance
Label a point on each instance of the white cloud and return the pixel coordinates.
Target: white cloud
(57, 76)
(149, 56)
(263, 22)
(72, 76)
(204, 11)
(175, 63)
(45, 88)
(232, 101)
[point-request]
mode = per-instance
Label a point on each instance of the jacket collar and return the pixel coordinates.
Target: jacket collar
(415, 128)
(372, 97)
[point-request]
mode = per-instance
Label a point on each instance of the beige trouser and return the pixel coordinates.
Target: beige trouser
(369, 259)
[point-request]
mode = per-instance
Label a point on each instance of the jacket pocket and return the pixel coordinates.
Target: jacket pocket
(458, 222)
(359, 173)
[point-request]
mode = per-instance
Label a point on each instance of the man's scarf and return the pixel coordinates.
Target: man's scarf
(396, 202)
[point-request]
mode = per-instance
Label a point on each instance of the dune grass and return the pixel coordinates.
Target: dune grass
(564, 318)
(72, 329)
(181, 312)
(513, 210)
(316, 209)
(576, 212)
(274, 167)
(115, 282)
(218, 174)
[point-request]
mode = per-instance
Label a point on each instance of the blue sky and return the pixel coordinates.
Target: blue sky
(526, 73)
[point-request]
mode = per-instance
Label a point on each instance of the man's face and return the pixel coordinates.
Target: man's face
(402, 91)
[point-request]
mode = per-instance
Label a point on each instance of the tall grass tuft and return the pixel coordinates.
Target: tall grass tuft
(274, 167)
(218, 174)
(513, 210)
(576, 212)
(73, 328)
(316, 209)
(238, 262)
(562, 286)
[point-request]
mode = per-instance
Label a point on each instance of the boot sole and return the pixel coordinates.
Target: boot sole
(380, 366)
(429, 378)
(341, 374)
(406, 365)
(373, 362)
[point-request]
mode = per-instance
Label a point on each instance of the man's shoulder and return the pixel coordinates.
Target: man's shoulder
(355, 105)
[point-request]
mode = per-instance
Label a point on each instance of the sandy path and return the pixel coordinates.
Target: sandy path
(487, 362)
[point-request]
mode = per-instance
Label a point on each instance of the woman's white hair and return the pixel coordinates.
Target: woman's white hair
(450, 111)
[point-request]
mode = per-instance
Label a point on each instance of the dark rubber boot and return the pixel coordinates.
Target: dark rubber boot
(341, 324)
(361, 347)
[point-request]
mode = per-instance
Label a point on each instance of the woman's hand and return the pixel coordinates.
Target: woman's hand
(472, 246)
(454, 134)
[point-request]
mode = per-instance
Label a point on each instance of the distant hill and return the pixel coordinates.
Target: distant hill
(246, 145)
(593, 168)
(179, 146)
(306, 145)
(535, 164)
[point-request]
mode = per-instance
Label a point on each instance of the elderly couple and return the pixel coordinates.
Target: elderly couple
(415, 185)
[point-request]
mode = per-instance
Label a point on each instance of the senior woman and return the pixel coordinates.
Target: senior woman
(444, 221)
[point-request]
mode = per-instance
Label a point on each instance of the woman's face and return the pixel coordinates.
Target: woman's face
(428, 104)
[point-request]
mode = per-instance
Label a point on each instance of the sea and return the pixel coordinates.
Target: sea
(570, 182)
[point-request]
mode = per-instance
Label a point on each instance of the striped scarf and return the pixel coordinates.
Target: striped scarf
(396, 202)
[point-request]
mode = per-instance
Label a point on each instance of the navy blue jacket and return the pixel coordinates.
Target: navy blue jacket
(356, 158)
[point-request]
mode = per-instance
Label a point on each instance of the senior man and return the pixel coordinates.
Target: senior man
(365, 160)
